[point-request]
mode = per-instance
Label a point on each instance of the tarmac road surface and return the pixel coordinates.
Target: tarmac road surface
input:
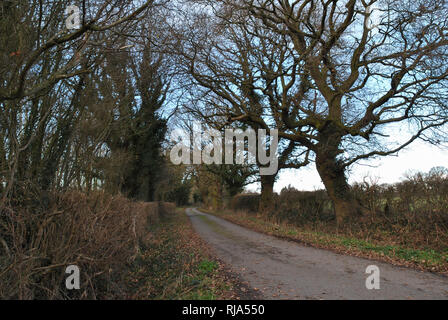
(282, 269)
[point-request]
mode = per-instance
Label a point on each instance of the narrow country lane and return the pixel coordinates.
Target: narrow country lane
(286, 270)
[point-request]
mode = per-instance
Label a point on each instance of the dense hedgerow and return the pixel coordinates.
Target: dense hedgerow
(99, 233)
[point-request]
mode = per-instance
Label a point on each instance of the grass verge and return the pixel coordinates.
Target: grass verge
(424, 259)
(175, 264)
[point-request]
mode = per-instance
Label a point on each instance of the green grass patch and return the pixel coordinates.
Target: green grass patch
(207, 267)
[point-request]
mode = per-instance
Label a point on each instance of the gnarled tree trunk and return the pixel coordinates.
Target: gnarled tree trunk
(267, 194)
(332, 173)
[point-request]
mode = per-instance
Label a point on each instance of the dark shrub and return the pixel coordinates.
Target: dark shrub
(300, 206)
(245, 202)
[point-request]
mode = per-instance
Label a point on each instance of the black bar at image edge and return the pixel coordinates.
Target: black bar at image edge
(253, 309)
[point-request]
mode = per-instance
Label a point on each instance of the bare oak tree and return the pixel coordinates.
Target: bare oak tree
(346, 88)
(233, 68)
